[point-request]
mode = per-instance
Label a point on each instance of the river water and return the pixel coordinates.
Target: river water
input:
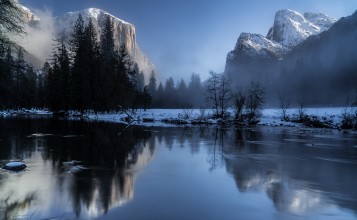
(82, 170)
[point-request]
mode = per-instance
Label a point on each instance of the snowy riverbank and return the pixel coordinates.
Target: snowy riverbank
(331, 117)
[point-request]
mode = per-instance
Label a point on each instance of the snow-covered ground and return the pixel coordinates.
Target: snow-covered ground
(273, 116)
(183, 117)
(175, 117)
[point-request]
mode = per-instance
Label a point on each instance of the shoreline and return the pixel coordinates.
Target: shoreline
(330, 118)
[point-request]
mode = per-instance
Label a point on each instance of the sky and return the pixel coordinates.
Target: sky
(185, 36)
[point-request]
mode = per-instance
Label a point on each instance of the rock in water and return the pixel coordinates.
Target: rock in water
(14, 166)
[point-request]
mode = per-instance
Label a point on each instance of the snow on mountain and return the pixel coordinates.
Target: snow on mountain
(256, 45)
(124, 33)
(291, 28)
(28, 15)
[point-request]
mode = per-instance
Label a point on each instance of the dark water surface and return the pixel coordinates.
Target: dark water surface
(81, 170)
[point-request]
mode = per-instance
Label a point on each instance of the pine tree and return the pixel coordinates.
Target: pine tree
(93, 77)
(6, 77)
(124, 87)
(108, 61)
(79, 65)
(42, 84)
(58, 79)
(146, 97)
(152, 84)
(19, 77)
(29, 88)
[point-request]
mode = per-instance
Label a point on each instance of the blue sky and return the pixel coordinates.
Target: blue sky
(185, 36)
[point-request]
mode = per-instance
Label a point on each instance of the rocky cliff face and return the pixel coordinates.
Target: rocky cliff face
(309, 57)
(290, 29)
(29, 17)
(124, 33)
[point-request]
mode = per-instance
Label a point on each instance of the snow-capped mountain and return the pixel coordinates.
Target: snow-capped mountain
(320, 69)
(256, 45)
(124, 33)
(290, 29)
(29, 17)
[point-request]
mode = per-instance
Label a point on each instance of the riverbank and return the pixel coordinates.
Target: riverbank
(315, 117)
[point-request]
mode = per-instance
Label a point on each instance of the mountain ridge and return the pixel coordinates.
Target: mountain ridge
(321, 69)
(290, 28)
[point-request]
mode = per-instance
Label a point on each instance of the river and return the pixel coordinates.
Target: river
(85, 170)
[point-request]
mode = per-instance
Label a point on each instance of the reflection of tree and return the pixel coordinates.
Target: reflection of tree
(10, 209)
(289, 172)
(112, 160)
(106, 183)
(216, 157)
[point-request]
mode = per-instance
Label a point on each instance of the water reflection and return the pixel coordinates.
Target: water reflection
(298, 172)
(303, 172)
(45, 189)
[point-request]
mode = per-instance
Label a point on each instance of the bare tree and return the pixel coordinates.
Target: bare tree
(212, 91)
(301, 110)
(223, 95)
(239, 99)
(218, 93)
(11, 20)
(255, 101)
(284, 105)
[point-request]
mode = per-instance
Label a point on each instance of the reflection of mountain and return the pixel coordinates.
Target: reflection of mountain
(293, 175)
(113, 163)
(300, 171)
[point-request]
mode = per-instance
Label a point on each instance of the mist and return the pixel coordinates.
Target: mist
(320, 71)
(40, 34)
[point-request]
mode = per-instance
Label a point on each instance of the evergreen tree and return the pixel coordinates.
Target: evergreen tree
(196, 91)
(160, 96)
(146, 97)
(152, 84)
(19, 78)
(79, 66)
(169, 94)
(58, 79)
(41, 85)
(108, 61)
(6, 77)
(92, 78)
(124, 83)
(29, 88)
(182, 96)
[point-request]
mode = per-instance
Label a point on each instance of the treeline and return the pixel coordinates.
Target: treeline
(177, 95)
(92, 74)
(82, 74)
(18, 81)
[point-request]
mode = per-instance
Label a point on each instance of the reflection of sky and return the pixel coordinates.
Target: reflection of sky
(195, 176)
(52, 197)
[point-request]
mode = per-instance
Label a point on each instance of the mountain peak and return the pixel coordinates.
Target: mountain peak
(96, 12)
(291, 28)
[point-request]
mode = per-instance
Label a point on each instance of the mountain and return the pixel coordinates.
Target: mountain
(290, 28)
(124, 32)
(29, 16)
(311, 57)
